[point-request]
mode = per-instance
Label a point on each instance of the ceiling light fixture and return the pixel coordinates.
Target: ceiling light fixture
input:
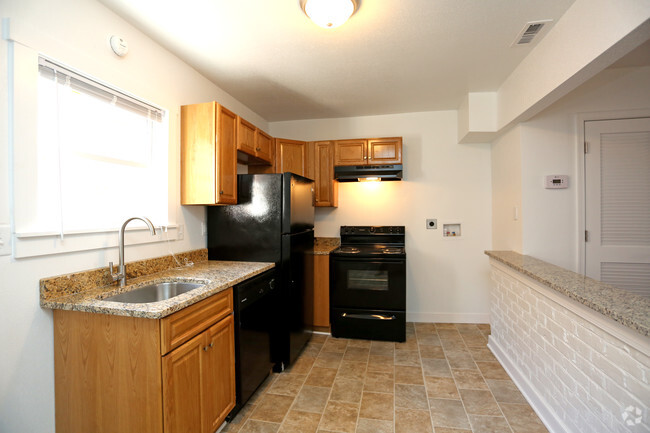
(329, 13)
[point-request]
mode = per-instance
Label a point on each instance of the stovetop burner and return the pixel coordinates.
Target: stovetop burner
(371, 241)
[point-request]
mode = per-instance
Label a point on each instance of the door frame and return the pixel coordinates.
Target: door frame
(580, 183)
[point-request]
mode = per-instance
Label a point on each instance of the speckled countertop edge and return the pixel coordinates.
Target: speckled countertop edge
(324, 246)
(216, 275)
(626, 308)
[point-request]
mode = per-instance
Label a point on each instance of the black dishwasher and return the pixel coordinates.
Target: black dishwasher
(254, 307)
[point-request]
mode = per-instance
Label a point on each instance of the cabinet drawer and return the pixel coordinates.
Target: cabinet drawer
(185, 324)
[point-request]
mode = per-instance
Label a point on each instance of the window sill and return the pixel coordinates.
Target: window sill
(42, 244)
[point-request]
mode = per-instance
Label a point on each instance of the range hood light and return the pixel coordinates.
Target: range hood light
(369, 179)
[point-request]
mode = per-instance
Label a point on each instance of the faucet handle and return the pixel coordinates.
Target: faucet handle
(114, 276)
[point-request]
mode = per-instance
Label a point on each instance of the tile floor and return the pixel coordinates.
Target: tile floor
(443, 379)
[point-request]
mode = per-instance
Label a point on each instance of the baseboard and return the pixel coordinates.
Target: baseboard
(448, 317)
(538, 403)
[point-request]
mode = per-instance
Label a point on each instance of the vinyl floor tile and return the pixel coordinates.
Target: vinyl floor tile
(443, 379)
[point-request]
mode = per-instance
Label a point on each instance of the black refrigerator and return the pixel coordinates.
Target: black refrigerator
(273, 221)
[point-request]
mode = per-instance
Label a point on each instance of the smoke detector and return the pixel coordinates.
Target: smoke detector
(531, 31)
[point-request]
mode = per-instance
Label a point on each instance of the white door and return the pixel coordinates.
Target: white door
(617, 203)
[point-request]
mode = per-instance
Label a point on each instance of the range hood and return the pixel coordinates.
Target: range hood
(359, 173)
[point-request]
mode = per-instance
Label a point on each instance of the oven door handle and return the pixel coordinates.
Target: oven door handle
(367, 316)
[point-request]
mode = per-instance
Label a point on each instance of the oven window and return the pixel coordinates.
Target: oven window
(367, 279)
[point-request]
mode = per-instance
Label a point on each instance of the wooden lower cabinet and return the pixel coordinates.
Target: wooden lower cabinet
(199, 381)
(120, 374)
(321, 291)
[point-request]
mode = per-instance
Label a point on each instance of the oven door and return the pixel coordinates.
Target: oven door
(368, 283)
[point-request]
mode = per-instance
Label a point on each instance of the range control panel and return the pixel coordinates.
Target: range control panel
(364, 230)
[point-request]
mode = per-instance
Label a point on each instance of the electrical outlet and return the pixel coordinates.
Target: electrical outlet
(5, 240)
(181, 232)
(432, 223)
(204, 229)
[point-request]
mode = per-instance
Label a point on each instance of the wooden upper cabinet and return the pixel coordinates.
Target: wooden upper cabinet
(208, 155)
(264, 146)
(226, 156)
(385, 150)
(350, 152)
(291, 155)
(246, 136)
(326, 188)
(370, 151)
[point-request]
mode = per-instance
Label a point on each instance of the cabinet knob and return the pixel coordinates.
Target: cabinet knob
(212, 344)
(221, 192)
(205, 348)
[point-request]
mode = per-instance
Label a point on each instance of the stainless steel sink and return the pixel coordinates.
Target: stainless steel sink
(154, 292)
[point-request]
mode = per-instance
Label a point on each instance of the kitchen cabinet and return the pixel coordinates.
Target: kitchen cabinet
(368, 151)
(208, 154)
(322, 171)
(119, 373)
(246, 136)
(291, 155)
(322, 292)
(264, 148)
(253, 142)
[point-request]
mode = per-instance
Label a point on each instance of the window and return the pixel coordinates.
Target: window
(101, 156)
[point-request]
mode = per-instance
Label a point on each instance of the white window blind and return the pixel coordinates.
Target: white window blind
(101, 157)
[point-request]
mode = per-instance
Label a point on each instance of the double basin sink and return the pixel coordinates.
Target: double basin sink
(155, 292)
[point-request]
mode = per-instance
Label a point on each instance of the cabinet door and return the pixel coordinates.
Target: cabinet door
(264, 146)
(385, 150)
(245, 136)
(291, 155)
(326, 193)
(350, 152)
(218, 373)
(321, 290)
(181, 371)
(198, 153)
(226, 142)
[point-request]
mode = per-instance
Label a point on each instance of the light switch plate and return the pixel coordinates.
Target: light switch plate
(5, 240)
(432, 223)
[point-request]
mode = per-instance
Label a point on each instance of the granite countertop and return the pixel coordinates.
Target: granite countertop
(624, 307)
(216, 275)
(324, 246)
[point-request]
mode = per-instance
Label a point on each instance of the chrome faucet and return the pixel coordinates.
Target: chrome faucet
(121, 270)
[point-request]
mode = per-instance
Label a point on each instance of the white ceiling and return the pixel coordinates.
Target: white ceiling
(392, 56)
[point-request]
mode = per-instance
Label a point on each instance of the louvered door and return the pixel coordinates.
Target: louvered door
(617, 203)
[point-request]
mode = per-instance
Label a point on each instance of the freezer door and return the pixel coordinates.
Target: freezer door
(251, 229)
(297, 203)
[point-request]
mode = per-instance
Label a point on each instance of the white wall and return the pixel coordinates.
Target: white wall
(549, 146)
(447, 279)
(75, 32)
(507, 212)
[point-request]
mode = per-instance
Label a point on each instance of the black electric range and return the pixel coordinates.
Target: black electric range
(368, 283)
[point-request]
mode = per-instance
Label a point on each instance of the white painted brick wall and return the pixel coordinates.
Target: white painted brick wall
(583, 375)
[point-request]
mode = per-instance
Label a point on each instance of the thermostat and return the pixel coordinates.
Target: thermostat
(556, 181)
